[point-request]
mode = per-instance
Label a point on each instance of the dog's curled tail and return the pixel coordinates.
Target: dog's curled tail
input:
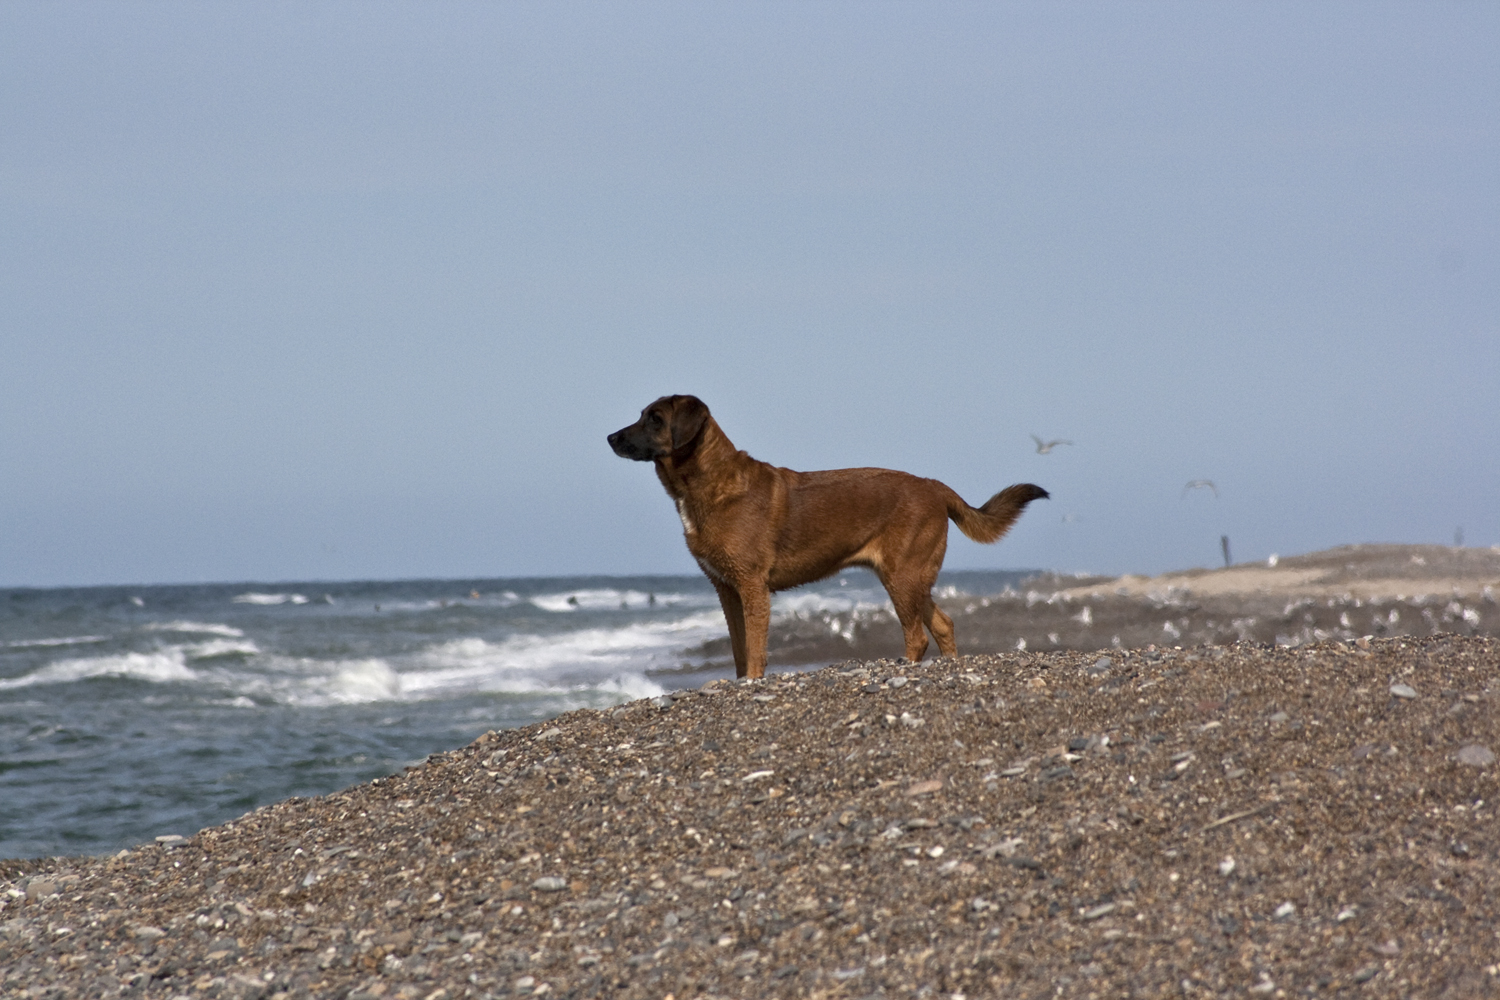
(987, 523)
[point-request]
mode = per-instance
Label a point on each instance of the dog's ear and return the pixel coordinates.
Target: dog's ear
(688, 417)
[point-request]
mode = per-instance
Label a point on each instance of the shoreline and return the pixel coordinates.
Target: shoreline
(1342, 593)
(1310, 817)
(1369, 571)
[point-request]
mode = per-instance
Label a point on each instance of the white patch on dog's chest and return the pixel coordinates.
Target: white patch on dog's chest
(687, 522)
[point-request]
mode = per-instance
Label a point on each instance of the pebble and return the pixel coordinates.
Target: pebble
(1475, 755)
(1009, 847)
(896, 682)
(1403, 691)
(37, 888)
(840, 804)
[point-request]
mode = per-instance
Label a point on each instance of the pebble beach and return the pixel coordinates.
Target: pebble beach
(1221, 819)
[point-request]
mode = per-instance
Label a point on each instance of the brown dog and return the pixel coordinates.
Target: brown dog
(755, 528)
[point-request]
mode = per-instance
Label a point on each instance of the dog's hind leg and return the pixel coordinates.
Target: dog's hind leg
(941, 627)
(908, 579)
(911, 610)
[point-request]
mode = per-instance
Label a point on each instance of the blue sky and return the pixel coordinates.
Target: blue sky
(335, 291)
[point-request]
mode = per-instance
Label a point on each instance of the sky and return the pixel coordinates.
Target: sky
(340, 291)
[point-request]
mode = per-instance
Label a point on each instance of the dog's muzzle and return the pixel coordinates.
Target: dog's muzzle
(623, 446)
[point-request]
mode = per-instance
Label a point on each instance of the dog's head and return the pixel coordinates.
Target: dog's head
(668, 427)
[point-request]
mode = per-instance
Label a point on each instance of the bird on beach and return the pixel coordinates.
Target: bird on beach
(1198, 484)
(1043, 447)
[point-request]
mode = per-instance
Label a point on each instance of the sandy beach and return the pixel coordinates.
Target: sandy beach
(1189, 817)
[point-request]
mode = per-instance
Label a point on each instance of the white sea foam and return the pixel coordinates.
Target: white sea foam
(254, 598)
(359, 681)
(628, 687)
(220, 647)
(856, 598)
(228, 631)
(578, 667)
(306, 682)
(162, 666)
(610, 599)
(812, 603)
(585, 658)
(504, 600)
(586, 667)
(72, 640)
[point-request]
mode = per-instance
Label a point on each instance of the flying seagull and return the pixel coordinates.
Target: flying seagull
(1198, 484)
(1042, 447)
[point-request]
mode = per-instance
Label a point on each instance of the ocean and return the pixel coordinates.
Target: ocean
(128, 713)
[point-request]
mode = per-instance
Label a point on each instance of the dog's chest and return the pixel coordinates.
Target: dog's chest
(708, 556)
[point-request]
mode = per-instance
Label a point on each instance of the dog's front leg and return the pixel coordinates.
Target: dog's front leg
(757, 603)
(734, 616)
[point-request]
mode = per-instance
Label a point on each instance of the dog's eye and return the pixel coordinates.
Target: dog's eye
(653, 419)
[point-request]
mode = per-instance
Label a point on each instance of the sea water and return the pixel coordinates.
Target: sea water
(128, 713)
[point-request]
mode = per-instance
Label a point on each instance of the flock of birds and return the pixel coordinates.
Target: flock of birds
(1045, 446)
